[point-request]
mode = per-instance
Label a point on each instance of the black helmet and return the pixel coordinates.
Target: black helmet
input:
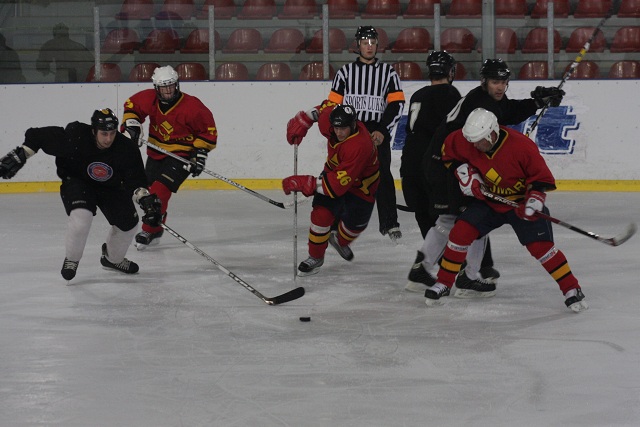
(495, 69)
(104, 120)
(343, 115)
(366, 32)
(440, 64)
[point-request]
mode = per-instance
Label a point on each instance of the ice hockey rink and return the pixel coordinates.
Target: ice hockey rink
(182, 344)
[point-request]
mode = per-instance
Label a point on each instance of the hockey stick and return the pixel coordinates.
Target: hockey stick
(404, 208)
(573, 66)
(611, 241)
(280, 299)
(295, 216)
(215, 175)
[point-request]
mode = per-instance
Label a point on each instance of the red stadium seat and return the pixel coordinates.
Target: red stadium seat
(161, 41)
(299, 9)
(121, 40)
(629, 9)
(198, 41)
(457, 40)
(224, 9)
(379, 9)
(412, 40)
(506, 41)
(421, 9)
(561, 9)
(258, 9)
(142, 72)
(534, 70)
(243, 40)
(408, 70)
(337, 41)
(343, 9)
(232, 71)
(108, 73)
(172, 9)
(285, 40)
(313, 71)
(592, 8)
(461, 71)
(274, 71)
(511, 8)
(383, 41)
(135, 9)
(625, 70)
(626, 39)
(579, 37)
(536, 41)
(191, 71)
(585, 70)
(465, 9)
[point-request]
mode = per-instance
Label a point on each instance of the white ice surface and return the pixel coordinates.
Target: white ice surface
(182, 344)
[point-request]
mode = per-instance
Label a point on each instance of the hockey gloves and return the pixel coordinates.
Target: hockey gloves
(298, 126)
(133, 130)
(306, 184)
(549, 96)
(198, 159)
(533, 203)
(470, 181)
(152, 210)
(12, 162)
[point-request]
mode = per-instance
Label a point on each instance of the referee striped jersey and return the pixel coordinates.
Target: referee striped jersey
(369, 88)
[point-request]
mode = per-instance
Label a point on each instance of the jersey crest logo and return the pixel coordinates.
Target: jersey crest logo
(99, 171)
(552, 134)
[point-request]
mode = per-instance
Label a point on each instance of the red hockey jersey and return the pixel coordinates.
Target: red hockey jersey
(509, 170)
(188, 124)
(352, 165)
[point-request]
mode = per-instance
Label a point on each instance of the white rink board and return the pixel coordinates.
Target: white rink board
(252, 117)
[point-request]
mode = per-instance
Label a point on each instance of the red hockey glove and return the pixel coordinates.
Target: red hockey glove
(306, 184)
(533, 202)
(297, 128)
(470, 181)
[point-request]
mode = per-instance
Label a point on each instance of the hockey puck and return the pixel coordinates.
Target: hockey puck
(305, 319)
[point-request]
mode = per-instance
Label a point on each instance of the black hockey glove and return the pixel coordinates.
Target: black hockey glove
(549, 96)
(12, 162)
(133, 129)
(198, 159)
(152, 210)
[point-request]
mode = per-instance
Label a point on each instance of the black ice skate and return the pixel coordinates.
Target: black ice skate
(434, 293)
(419, 277)
(144, 239)
(125, 266)
(575, 300)
(69, 269)
(478, 288)
(310, 266)
(489, 274)
(344, 251)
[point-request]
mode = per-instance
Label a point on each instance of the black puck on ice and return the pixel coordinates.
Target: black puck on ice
(305, 319)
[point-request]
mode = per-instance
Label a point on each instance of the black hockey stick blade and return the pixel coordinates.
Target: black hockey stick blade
(624, 236)
(286, 297)
(404, 208)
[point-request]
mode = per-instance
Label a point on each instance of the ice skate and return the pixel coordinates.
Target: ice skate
(394, 233)
(489, 274)
(575, 300)
(419, 277)
(477, 288)
(145, 238)
(310, 266)
(344, 251)
(125, 266)
(69, 269)
(434, 293)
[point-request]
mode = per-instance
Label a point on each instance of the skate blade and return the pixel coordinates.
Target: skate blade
(142, 246)
(579, 306)
(434, 302)
(308, 273)
(468, 293)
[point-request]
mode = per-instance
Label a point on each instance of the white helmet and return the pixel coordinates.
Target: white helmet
(479, 125)
(165, 76)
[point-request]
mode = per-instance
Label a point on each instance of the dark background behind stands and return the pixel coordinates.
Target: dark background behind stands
(279, 39)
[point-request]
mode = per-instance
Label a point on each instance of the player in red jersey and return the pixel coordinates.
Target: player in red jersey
(345, 190)
(505, 162)
(179, 123)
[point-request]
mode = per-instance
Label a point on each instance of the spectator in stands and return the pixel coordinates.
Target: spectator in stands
(10, 69)
(73, 60)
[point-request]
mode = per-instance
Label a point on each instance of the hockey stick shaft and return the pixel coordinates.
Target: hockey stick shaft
(611, 241)
(215, 175)
(573, 66)
(295, 216)
(280, 299)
